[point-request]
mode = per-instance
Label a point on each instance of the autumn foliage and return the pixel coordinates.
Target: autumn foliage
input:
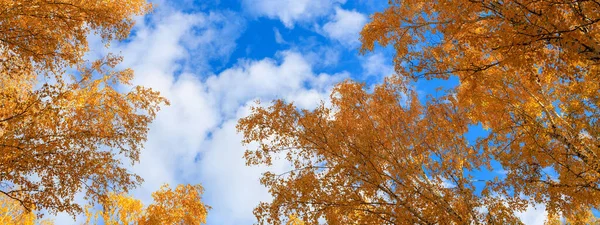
(67, 125)
(529, 75)
(370, 158)
(528, 72)
(183, 205)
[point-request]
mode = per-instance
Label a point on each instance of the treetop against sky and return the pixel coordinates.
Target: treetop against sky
(299, 112)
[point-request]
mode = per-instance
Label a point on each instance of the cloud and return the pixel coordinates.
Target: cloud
(278, 38)
(377, 65)
(194, 139)
(213, 40)
(163, 47)
(345, 27)
(533, 215)
(283, 77)
(318, 54)
(195, 39)
(232, 188)
(160, 53)
(291, 12)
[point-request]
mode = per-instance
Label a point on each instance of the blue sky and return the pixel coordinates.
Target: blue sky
(213, 60)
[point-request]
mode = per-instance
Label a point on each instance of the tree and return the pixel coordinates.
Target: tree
(180, 206)
(528, 73)
(62, 133)
(370, 158)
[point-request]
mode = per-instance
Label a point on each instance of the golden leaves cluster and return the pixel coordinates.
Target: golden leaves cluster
(529, 74)
(13, 213)
(182, 205)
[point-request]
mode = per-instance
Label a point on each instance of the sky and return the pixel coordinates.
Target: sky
(213, 60)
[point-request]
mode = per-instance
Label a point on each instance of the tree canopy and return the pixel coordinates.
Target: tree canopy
(528, 86)
(67, 132)
(528, 74)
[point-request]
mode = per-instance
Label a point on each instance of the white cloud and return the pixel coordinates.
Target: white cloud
(291, 12)
(317, 54)
(323, 56)
(345, 27)
(533, 215)
(377, 65)
(180, 133)
(232, 188)
(267, 78)
(159, 52)
(194, 140)
(278, 38)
